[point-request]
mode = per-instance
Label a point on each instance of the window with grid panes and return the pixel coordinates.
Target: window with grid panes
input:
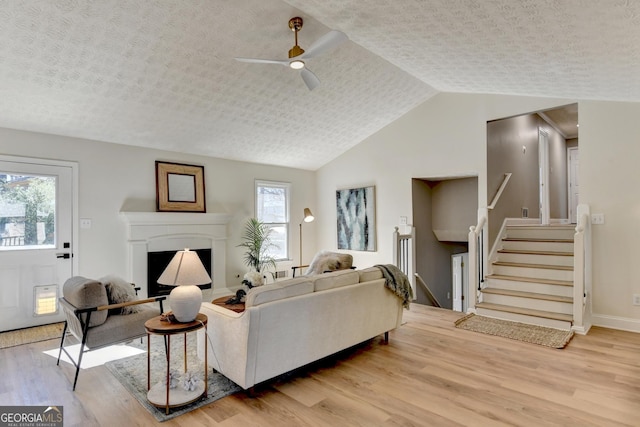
(272, 208)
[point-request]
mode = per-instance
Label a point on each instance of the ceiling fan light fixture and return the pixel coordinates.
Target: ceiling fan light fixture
(296, 64)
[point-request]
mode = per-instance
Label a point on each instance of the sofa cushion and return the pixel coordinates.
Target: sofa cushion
(285, 289)
(369, 274)
(335, 279)
(85, 293)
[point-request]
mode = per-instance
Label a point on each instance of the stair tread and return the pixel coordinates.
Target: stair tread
(530, 252)
(526, 265)
(526, 311)
(533, 239)
(530, 280)
(532, 295)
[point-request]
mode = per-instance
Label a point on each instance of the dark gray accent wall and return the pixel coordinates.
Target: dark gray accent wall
(512, 146)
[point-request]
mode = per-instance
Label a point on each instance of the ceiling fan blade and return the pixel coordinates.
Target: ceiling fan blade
(327, 42)
(263, 61)
(310, 79)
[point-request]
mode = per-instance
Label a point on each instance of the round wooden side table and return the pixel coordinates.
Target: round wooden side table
(161, 395)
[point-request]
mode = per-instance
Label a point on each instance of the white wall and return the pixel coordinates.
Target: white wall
(446, 136)
(115, 178)
(609, 181)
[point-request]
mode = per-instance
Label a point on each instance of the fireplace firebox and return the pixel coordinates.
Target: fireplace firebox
(158, 261)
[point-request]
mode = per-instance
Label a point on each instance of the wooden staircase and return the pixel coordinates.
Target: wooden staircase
(531, 278)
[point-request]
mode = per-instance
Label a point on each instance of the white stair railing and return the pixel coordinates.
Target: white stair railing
(477, 247)
(404, 254)
(582, 272)
(476, 260)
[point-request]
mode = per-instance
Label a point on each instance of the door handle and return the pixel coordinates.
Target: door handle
(64, 255)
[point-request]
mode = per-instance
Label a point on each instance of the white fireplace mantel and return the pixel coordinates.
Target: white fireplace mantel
(165, 218)
(162, 231)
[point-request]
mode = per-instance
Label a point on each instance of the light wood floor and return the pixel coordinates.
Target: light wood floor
(430, 374)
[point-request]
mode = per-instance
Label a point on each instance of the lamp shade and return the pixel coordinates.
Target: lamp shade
(185, 271)
(308, 216)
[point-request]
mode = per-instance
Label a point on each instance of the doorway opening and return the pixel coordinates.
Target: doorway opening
(443, 210)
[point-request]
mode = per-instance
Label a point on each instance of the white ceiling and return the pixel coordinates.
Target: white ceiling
(161, 73)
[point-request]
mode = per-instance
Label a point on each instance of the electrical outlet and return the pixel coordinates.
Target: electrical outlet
(636, 299)
(597, 218)
(403, 220)
(85, 223)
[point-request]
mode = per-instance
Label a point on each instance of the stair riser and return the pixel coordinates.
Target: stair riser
(537, 259)
(540, 288)
(550, 323)
(538, 246)
(535, 304)
(536, 273)
(540, 233)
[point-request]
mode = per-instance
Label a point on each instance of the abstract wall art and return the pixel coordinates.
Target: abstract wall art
(356, 215)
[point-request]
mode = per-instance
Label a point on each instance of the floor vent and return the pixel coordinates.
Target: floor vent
(281, 274)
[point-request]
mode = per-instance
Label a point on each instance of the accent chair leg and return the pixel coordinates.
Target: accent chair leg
(64, 331)
(386, 337)
(75, 379)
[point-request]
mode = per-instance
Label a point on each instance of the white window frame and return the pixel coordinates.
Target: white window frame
(287, 187)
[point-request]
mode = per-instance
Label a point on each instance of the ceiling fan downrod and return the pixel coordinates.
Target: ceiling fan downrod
(295, 24)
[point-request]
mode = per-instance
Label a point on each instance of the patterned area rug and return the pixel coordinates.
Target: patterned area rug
(132, 373)
(549, 337)
(30, 335)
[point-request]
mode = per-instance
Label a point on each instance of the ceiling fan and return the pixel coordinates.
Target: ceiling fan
(297, 55)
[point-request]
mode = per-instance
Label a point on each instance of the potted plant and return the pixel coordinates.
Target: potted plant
(257, 241)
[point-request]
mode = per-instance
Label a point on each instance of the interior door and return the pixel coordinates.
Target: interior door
(574, 183)
(36, 239)
(543, 162)
(460, 278)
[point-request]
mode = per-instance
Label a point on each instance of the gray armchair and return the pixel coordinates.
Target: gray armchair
(96, 322)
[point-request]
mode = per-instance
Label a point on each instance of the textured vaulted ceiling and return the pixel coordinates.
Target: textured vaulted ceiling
(161, 73)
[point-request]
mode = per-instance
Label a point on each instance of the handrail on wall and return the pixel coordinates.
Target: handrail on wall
(505, 181)
(430, 296)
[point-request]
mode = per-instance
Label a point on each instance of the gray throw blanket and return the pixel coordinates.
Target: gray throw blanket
(398, 282)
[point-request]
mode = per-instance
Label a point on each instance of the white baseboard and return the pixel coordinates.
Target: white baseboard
(615, 322)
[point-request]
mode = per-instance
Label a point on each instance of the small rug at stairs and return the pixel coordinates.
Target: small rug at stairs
(541, 335)
(31, 335)
(132, 374)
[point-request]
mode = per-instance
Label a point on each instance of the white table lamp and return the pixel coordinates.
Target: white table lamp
(185, 272)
